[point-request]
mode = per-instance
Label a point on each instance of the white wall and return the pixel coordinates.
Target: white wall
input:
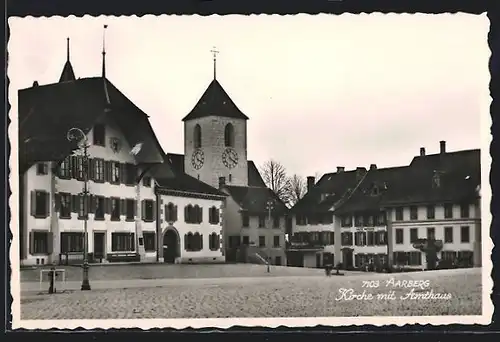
(204, 228)
(43, 182)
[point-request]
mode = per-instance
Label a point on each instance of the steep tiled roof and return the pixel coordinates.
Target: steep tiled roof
(215, 101)
(47, 112)
(459, 175)
(254, 177)
(328, 191)
(254, 199)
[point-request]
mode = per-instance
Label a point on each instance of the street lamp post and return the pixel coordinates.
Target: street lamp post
(76, 134)
(269, 207)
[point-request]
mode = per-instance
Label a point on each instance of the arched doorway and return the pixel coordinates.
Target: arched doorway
(170, 246)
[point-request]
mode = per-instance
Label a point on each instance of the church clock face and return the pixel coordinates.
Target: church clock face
(198, 159)
(230, 158)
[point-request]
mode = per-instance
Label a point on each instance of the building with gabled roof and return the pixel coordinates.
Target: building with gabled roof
(131, 208)
(379, 215)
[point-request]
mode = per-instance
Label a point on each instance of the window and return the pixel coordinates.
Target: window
(262, 241)
(346, 221)
(360, 239)
(146, 181)
(276, 222)
(381, 219)
(115, 209)
(399, 236)
(72, 242)
(213, 242)
(64, 169)
(82, 207)
(381, 238)
(465, 258)
(149, 241)
(448, 255)
(262, 221)
(448, 234)
(448, 211)
(413, 235)
(359, 221)
(413, 213)
(245, 220)
(99, 208)
(197, 136)
(369, 220)
(193, 242)
(99, 134)
(130, 174)
(229, 135)
(230, 178)
(39, 242)
(64, 205)
(213, 215)
(42, 169)
(122, 242)
(464, 210)
(278, 261)
(148, 210)
(276, 241)
(115, 173)
(193, 214)
(332, 238)
(464, 234)
(246, 240)
(130, 209)
(98, 170)
(430, 212)
(170, 212)
(78, 160)
(346, 239)
(431, 233)
(399, 214)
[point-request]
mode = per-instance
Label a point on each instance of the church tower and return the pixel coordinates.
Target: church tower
(215, 138)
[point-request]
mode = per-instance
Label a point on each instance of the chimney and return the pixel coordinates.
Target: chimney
(222, 182)
(422, 151)
(310, 183)
(373, 166)
(35, 84)
(340, 169)
(359, 173)
(442, 147)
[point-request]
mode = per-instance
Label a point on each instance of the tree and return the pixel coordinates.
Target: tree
(276, 179)
(297, 188)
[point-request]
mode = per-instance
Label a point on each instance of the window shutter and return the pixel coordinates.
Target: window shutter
(123, 173)
(154, 210)
(33, 203)
(166, 213)
(47, 203)
(200, 215)
(50, 237)
(123, 207)
(135, 208)
(31, 243)
(186, 214)
(201, 242)
(175, 213)
(105, 170)
(74, 203)
(91, 170)
(107, 205)
(57, 199)
(93, 204)
(185, 242)
(143, 209)
(72, 167)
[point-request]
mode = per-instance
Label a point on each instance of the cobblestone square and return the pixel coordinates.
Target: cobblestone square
(291, 296)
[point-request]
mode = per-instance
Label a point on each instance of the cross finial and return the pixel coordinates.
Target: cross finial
(214, 52)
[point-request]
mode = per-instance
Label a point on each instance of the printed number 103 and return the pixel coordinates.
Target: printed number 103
(371, 283)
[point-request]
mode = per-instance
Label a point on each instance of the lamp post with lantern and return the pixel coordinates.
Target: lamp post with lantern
(78, 136)
(269, 207)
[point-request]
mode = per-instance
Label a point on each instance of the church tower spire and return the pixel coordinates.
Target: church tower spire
(104, 52)
(67, 73)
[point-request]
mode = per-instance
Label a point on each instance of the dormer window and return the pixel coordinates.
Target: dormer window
(375, 190)
(436, 180)
(99, 134)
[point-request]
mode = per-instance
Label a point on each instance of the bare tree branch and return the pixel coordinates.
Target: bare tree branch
(275, 177)
(297, 188)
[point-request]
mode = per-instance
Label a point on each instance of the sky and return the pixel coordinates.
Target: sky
(320, 91)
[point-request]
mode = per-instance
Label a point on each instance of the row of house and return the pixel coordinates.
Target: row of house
(379, 214)
(211, 204)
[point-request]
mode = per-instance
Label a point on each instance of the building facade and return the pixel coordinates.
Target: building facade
(380, 216)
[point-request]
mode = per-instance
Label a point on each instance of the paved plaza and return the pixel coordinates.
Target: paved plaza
(456, 292)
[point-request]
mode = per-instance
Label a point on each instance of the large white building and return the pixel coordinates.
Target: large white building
(380, 214)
